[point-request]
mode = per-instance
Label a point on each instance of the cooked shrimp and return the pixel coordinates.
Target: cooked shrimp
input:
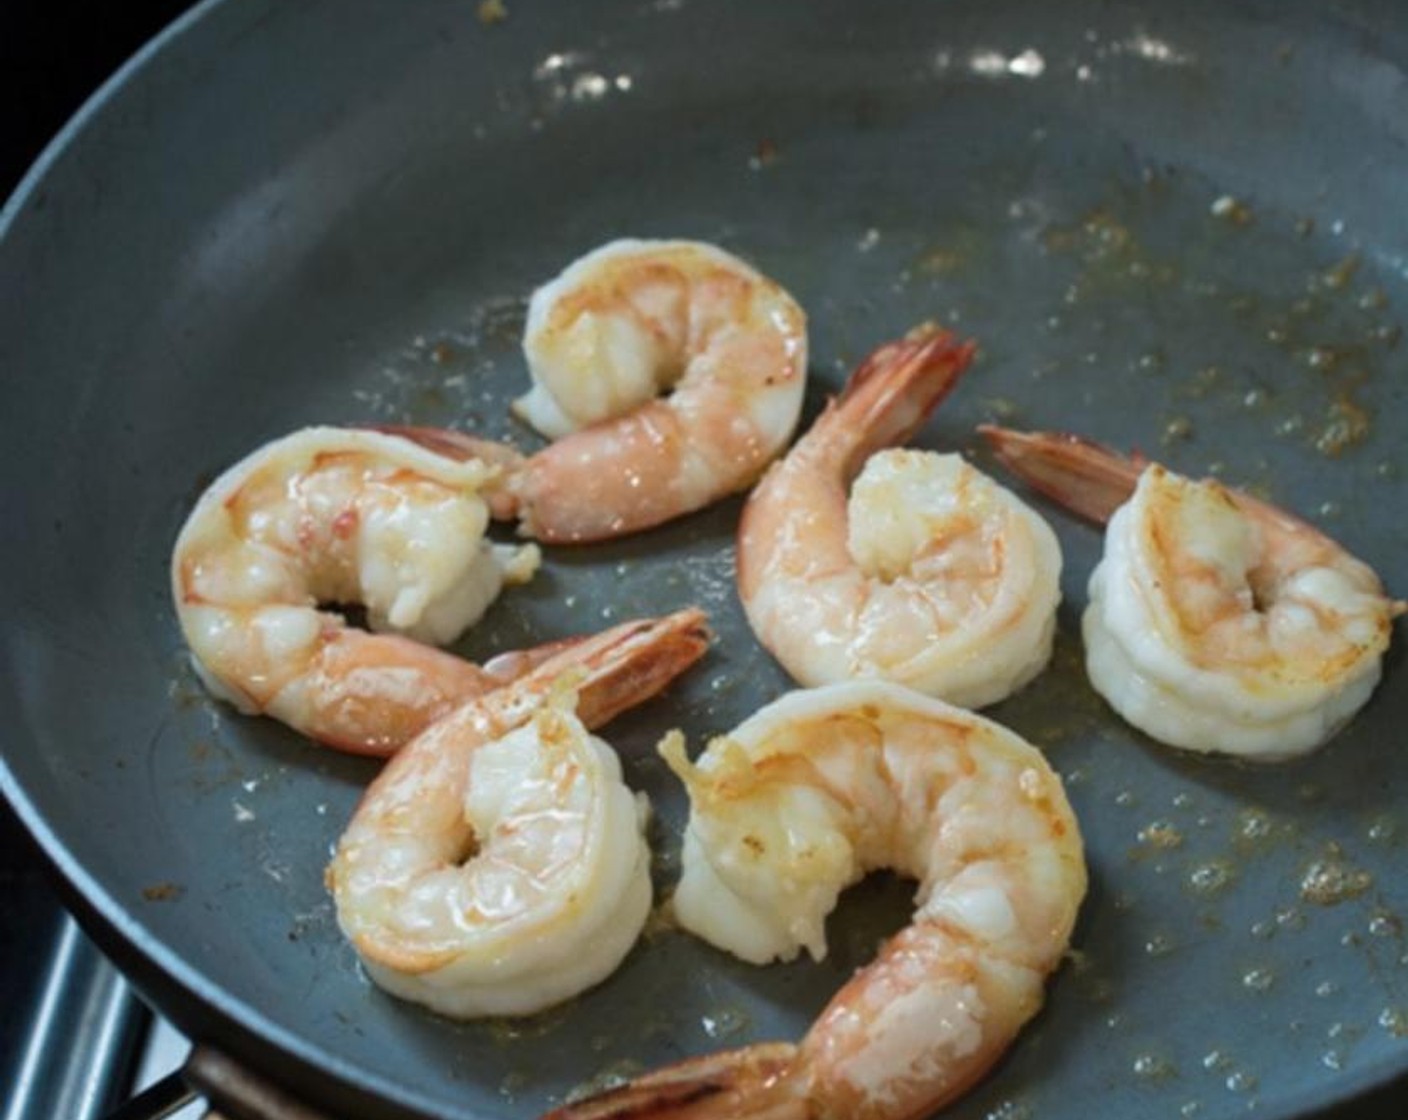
(622, 325)
(930, 574)
(1216, 621)
(806, 797)
(497, 865)
(332, 516)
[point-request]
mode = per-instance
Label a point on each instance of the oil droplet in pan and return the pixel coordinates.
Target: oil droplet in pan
(1211, 877)
(1385, 924)
(1253, 825)
(1152, 1067)
(1160, 834)
(1332, 879)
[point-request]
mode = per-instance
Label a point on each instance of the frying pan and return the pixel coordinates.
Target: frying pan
(1177, 227)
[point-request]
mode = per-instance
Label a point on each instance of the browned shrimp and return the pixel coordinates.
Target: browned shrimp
(1216, 621)
(808, 795)
(328, 515)
(668, 374)
(859, 560)
(497, 865)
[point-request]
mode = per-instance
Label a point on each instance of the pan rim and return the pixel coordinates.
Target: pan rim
(102, 909)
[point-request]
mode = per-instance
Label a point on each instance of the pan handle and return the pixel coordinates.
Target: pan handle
(229, 1088)
(236, 1093)
(160, 1099)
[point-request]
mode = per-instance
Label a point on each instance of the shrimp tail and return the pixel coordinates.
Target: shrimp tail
(614, 670)
(893, 392)
(754, 1083)
(1092, 480)
(500, 495)
(645, 658)
(1085, 477)
(506, 667)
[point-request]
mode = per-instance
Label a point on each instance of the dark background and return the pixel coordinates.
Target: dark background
(53, 55)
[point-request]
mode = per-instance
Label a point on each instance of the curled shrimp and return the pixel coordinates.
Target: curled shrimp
(803, 799)
(619, 327)
(497, 865)
(929, 574)
(327, 515)
(1216, 622)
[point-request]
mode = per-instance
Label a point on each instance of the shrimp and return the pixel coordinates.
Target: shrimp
(1216, 622)
(625, 323)
(327, 515)
(497, 865)
(930, 574)
(806, 797)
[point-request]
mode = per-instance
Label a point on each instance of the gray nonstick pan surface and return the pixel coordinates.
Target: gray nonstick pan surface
(1179, 227)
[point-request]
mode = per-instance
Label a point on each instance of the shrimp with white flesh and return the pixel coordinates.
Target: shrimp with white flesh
(628, 322)
(806, 797)
(1216, 622)
(497, 865)
(328, 515)
(928, 574)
